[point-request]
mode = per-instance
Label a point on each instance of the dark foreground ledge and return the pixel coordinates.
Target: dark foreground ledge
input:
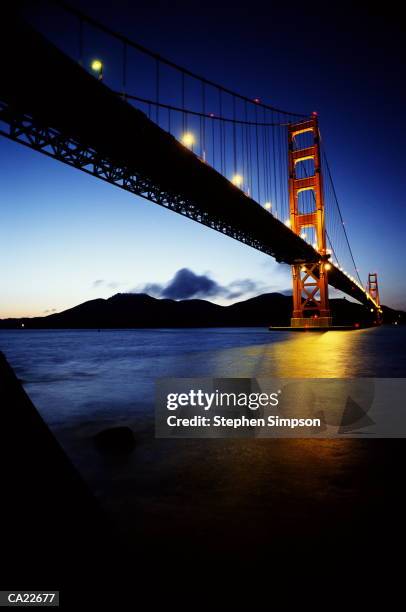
(53, 533)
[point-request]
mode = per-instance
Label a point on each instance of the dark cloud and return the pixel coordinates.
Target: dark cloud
(186, 285)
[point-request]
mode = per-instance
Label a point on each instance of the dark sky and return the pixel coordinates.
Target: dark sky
(345, 62)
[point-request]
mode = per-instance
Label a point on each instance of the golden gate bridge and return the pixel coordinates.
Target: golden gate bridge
(104, 104)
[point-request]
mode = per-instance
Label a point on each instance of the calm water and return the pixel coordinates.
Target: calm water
(217, 493)
(74, 376)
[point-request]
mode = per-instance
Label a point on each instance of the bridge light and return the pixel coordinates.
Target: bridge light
(288, 223)
(188, 139)
(372, 310)
(315, 245)
(237, 180)
(303, 235)
(327, 266)
(267, 206)
(97, 66)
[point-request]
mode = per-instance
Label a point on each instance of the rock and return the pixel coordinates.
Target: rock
(115, 441)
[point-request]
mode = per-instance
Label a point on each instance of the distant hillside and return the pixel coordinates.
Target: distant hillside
(126, 310)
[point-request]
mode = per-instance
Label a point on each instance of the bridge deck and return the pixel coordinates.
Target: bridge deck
(70, 108)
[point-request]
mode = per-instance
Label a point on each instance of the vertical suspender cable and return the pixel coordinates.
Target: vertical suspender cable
(275, 196)
(81, 41)
(221, 132)
(157, 75)
(257, 155)
(234, 137)
(203, 138)
(124, 70)
(213, 132)
(183, 103)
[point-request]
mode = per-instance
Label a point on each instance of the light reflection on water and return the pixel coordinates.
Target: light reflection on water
(344, 354)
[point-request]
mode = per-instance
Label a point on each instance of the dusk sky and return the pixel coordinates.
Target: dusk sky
(67, 237)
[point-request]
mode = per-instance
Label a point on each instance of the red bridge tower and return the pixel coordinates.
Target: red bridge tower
(372, 287)
(310, 282)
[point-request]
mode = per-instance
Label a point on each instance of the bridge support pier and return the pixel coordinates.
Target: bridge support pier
(310, 279)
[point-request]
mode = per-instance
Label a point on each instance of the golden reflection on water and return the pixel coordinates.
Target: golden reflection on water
(307, 463)
(295, 355)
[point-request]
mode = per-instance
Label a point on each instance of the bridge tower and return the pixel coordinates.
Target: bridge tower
(372, 287)
(310, 282)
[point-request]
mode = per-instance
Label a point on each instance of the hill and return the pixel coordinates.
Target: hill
(132, 310)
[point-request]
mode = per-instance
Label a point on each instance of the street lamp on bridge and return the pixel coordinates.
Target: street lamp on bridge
(188, 140)
(237, 180)
(97, 67)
